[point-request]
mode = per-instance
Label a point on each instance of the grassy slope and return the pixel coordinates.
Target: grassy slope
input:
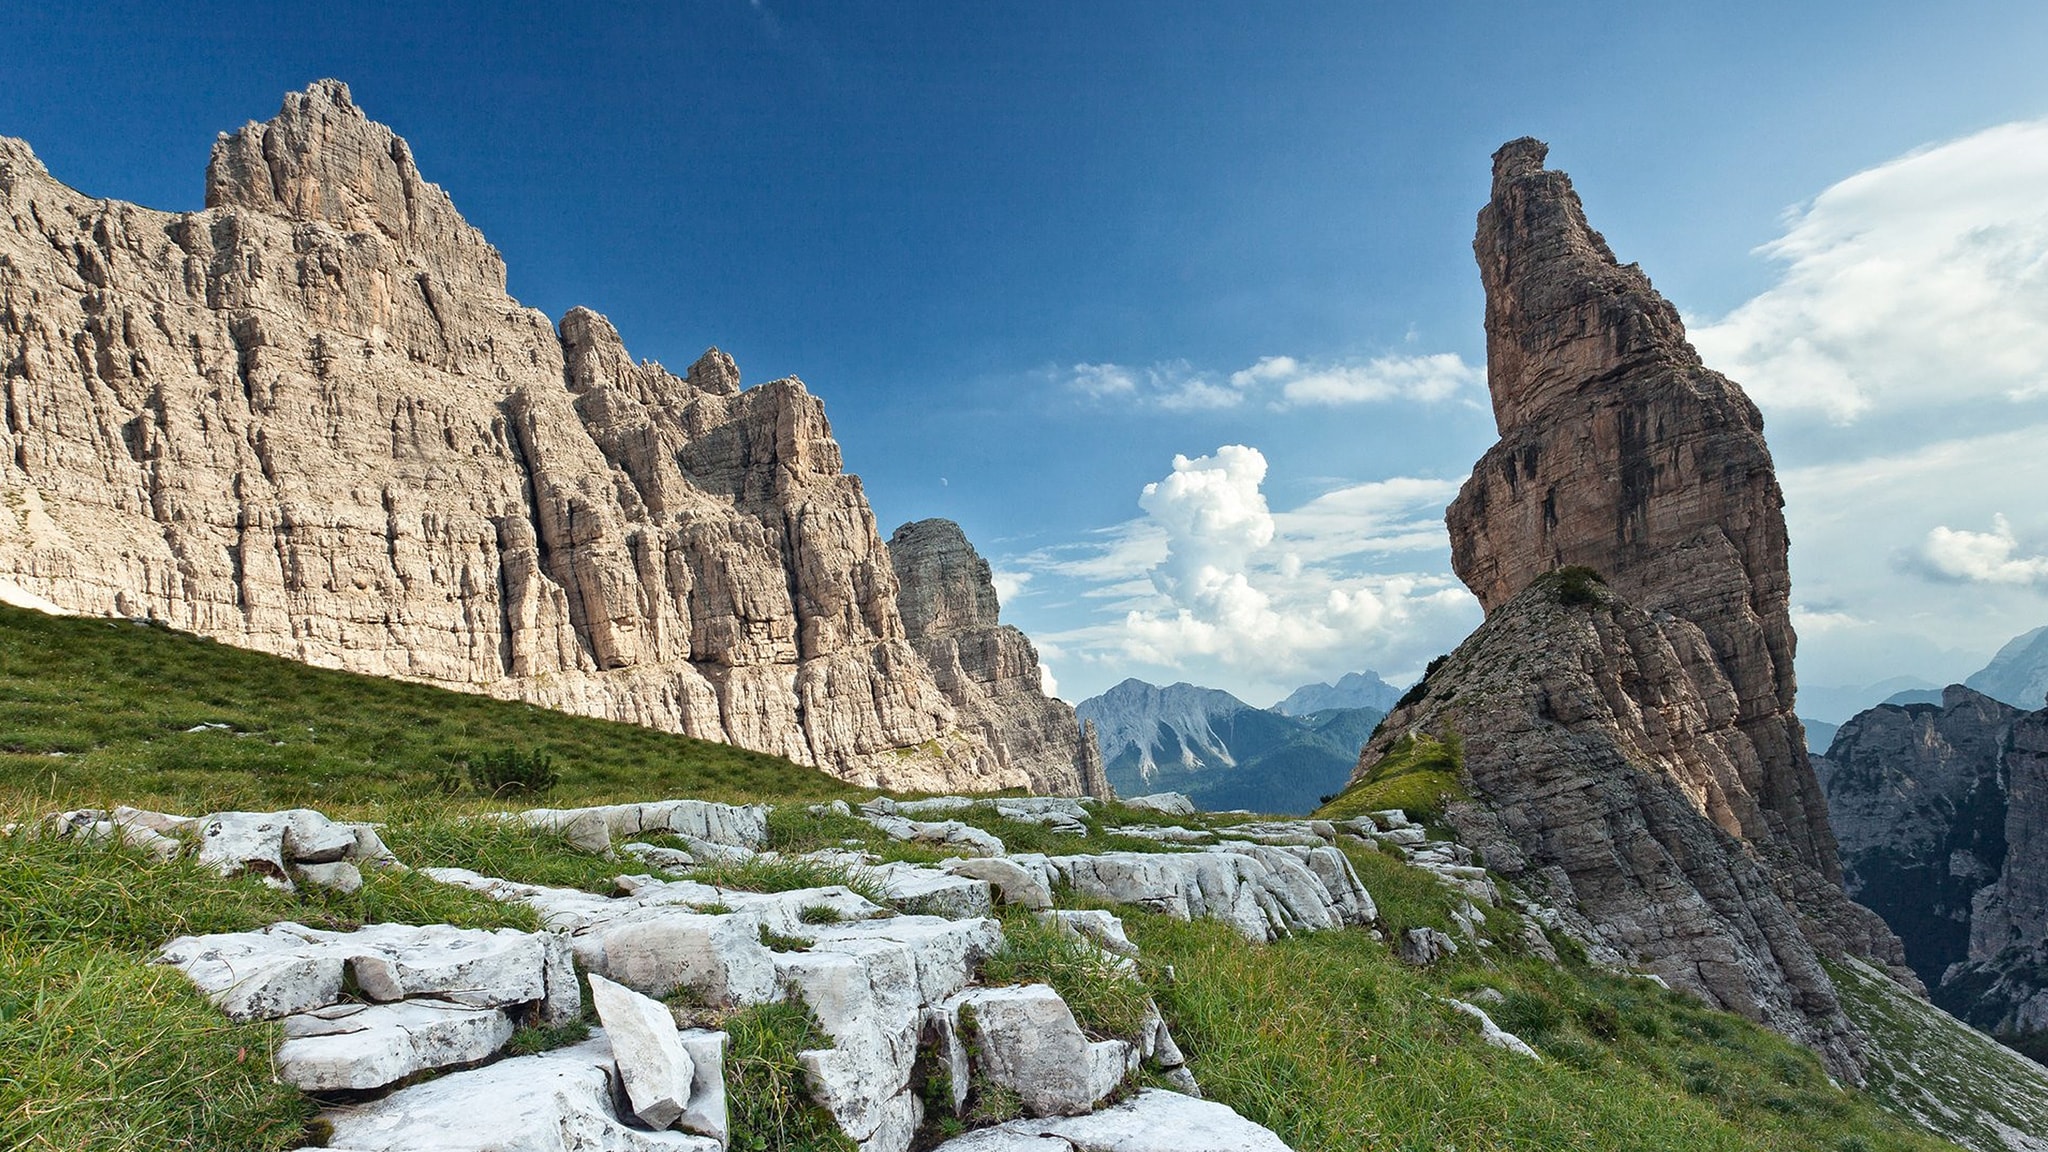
(117, 699)
(1327, 1039)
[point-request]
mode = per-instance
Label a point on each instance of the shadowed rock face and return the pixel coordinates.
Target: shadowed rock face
(987, 669)
(1620, 451)
(1630, 746)
(310, 421)
(1917, 799)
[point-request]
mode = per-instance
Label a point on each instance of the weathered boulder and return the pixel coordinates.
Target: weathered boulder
(357, 1047)
(654, 1069)
(1263, 892)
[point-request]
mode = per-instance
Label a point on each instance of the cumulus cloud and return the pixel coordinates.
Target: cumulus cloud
(1046, 682)
(1918, 282)
(1009, 585)
(1280, 382)
(1983, 557)
(1213, 584)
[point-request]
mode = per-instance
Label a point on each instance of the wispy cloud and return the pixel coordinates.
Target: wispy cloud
(1923, 281)
(1278, 382)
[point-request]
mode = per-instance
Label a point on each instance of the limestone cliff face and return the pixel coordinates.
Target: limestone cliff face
(988, 670)
(309, 420)
(1917, 798)
(1620, 451)
(1629, 745)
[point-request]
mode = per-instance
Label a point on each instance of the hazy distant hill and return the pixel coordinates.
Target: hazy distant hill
(2018, 675)
(1221, 751)
(1352, 690)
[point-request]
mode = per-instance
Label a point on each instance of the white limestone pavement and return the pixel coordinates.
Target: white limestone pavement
(1026, 1039)
(440, 996)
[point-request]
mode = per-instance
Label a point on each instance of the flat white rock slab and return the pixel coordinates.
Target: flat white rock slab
(1151, 1121)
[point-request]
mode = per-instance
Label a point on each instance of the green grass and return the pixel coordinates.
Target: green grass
(100, 1050)
(1106, 1002)
(764, 1083)
(1372, 1059)
(116, 698)
(1418, 774)
(1958, 1081)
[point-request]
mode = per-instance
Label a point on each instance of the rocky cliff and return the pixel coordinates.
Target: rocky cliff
(988, 670)
(1629, 744)
(1940, 811)
(309, 420)
(1917, 799)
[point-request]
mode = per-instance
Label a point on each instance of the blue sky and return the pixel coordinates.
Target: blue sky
(1030, 253)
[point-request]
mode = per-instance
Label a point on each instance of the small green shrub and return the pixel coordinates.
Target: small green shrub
(782, 942)
(507, 772)
(1574, 585)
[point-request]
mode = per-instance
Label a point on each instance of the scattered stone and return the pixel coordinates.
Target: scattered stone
(945, 833)
(357, 1047)
(1015, 883)
(1492, 1033)
(706, 1114)
(1102, 929)
(933, 891)
(1171, 803)
(1425, 946)
(1151, 1121)
(339, 876)
(551, 1102)
(654, 1068)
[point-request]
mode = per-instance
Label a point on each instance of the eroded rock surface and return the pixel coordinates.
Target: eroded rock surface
(309, 420)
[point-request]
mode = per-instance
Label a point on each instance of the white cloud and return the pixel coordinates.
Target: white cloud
(1810, 621)
(1009, 584)
(1046, 682)
(1232, 591)
(1170, 384)
(1983, 557)
(1425, 379)
(1281, 381)
(1921, 281)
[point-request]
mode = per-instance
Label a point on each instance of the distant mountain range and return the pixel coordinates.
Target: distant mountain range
(1352, 690)
(1224, 753)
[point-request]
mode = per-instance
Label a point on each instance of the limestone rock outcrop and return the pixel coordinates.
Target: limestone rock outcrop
(309, 420)
(1627, 731)
(988, 670)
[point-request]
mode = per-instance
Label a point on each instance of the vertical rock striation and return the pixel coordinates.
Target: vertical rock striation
(309, 420)
(1627, 729)
(988, 670)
